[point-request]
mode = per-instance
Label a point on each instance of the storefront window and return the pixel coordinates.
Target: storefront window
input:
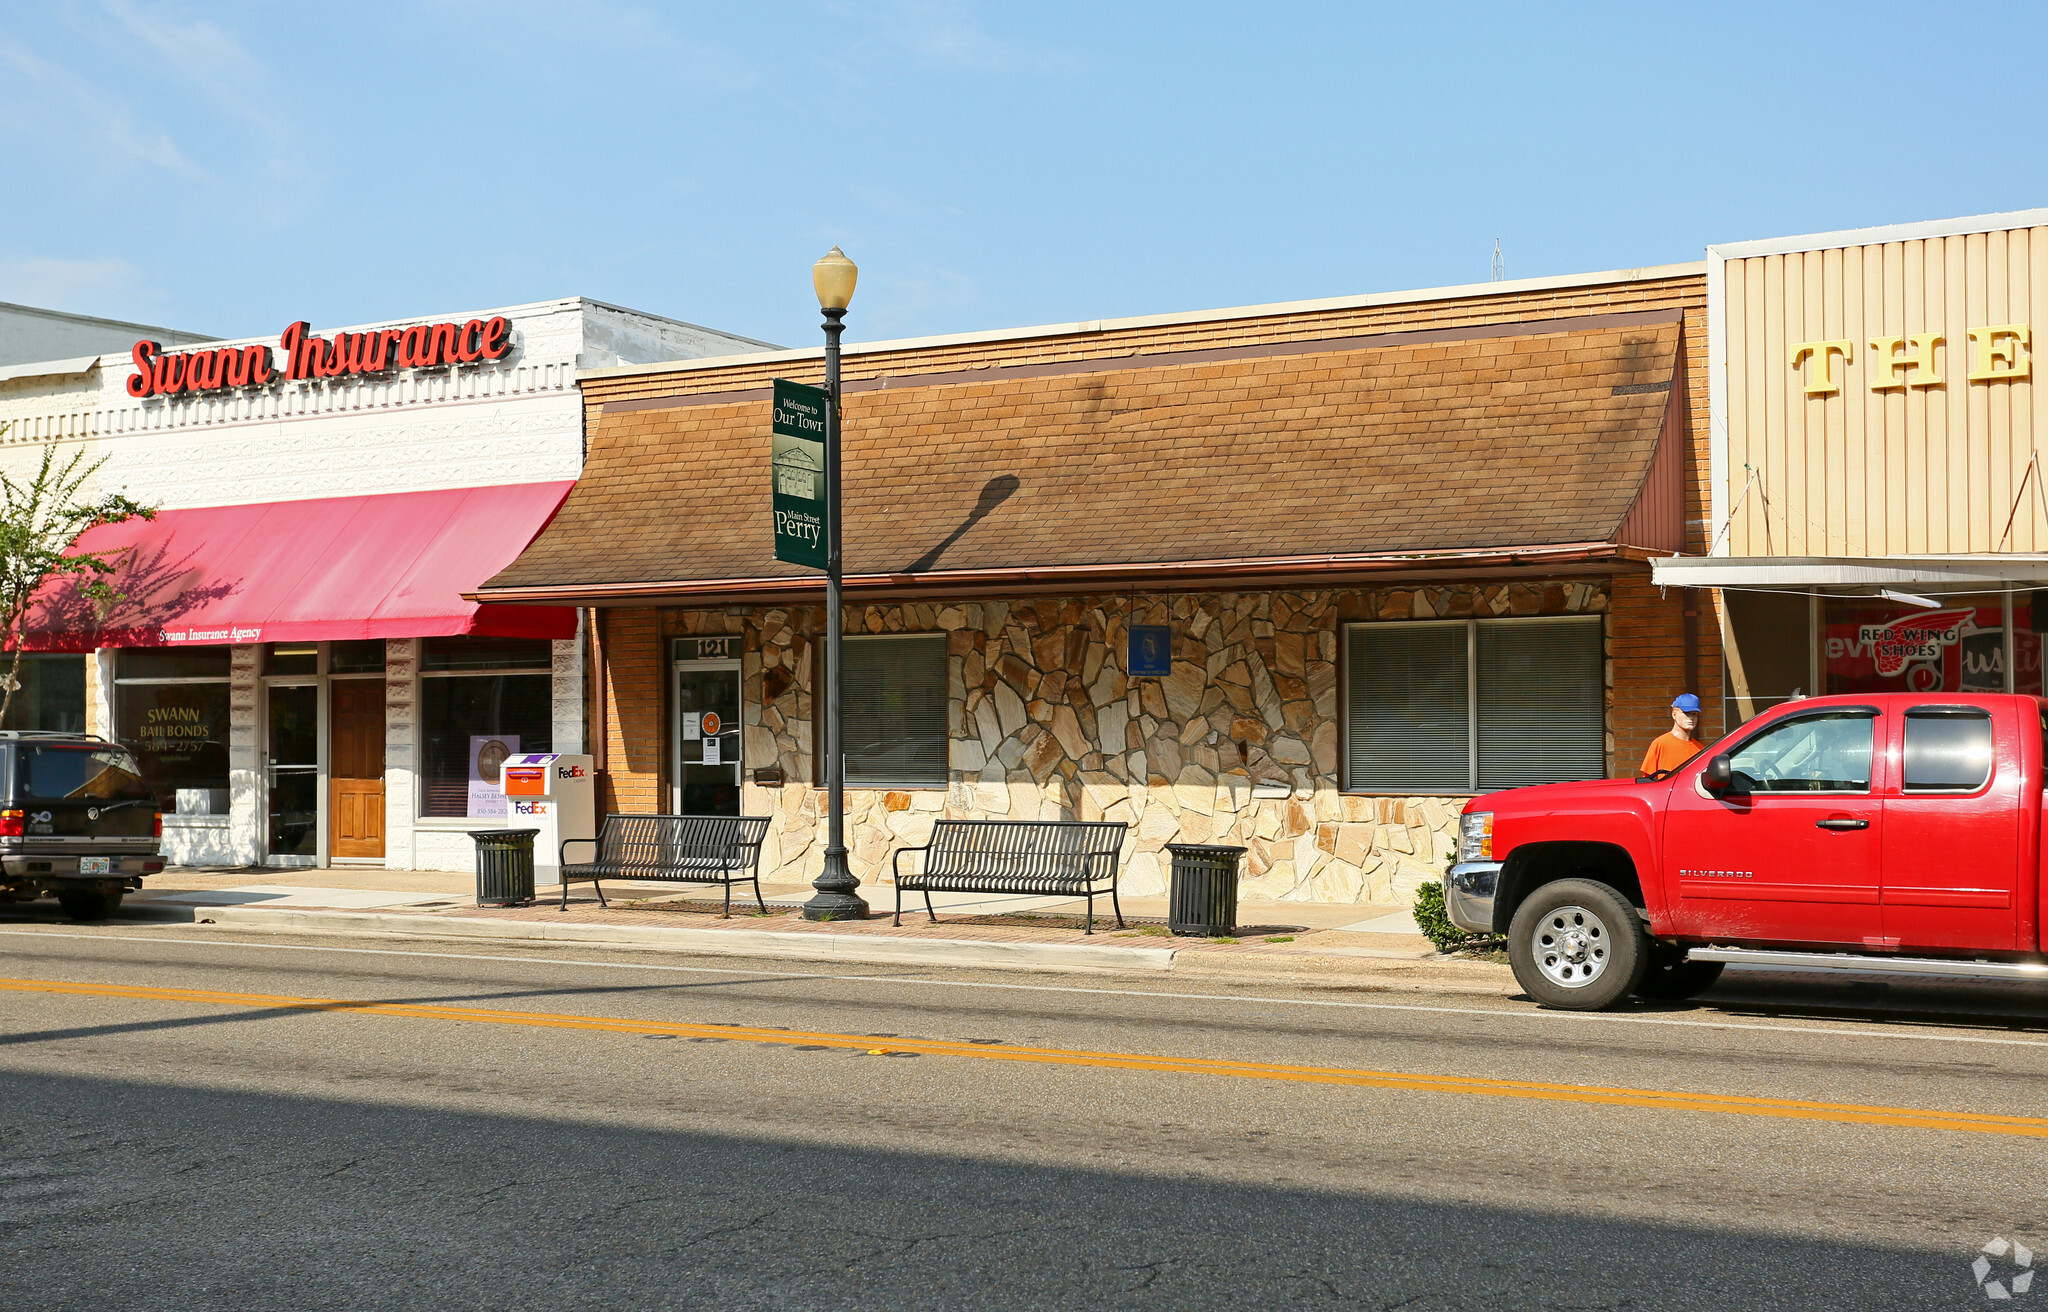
(172, 712)
(171, 663)
(2029, 621)
(291, 658)
(894, 715)
(363, 656)
(481, 700)
(51, 696)
(1466, 706)
(1871, 644)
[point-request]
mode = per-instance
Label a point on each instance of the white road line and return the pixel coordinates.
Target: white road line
(1740, 1027)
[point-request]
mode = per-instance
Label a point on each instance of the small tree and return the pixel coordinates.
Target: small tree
(39, 521)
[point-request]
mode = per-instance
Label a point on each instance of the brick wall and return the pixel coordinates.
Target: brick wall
(635, 694)
(1686, 292)
(1646, 639)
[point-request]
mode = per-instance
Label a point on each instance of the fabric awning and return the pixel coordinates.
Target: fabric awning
(1991, 571)
(336, 568)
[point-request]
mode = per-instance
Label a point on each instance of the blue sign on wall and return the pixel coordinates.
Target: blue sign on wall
(1151, 655)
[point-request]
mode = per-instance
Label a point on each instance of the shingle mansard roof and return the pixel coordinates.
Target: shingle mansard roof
(1458, 440)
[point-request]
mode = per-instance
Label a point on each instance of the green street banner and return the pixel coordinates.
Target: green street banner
(797, 455)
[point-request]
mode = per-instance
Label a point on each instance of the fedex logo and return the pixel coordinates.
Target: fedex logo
(568, 772)
(529, 808)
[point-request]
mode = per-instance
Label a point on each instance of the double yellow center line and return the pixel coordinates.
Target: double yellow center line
(1665, 1100)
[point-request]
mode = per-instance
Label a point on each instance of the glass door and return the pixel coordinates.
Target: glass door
(707, 736)
(294, 770)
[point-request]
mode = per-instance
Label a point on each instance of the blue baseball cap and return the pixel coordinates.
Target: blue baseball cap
(1686, 702)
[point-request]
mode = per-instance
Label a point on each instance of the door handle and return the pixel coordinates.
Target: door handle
(1841, 822)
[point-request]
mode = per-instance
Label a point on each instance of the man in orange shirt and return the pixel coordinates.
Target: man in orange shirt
(1674, 749)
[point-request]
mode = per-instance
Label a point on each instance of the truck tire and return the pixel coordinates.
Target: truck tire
(89, 903)
(1577, 945)
(1673, 979)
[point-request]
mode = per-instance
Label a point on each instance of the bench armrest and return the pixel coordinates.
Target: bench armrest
(896, 861)
(562, 856)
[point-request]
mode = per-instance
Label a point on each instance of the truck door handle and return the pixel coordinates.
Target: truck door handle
(1841, 822)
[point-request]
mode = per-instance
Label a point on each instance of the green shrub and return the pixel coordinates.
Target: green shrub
(1436, 925)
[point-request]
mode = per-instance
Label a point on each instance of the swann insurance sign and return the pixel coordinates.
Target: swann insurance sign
(797, 455)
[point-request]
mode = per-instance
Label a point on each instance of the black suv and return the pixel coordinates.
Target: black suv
(77, 822)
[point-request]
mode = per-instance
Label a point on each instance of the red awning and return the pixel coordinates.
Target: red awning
(298, 571)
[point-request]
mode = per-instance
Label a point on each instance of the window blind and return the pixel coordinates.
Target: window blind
(1408, 696)
(1542, 702)
(893, 714)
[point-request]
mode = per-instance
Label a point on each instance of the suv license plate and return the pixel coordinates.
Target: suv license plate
(95, 865)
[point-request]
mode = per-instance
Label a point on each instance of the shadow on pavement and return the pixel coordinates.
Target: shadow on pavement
(2020, 1005)
(121, 1194)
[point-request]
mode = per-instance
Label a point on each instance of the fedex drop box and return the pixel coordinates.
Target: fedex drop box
(556, 793)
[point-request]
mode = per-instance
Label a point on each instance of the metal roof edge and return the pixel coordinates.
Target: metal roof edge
(1248, 569)
(681, 323)
(1958, 227)
(71, 368)
(1648, 273)
(94, 319)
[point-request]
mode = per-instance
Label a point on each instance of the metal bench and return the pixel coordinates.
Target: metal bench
(680, 849)
(1042, 858)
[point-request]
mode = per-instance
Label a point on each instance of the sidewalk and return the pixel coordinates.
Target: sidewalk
(1353, 946)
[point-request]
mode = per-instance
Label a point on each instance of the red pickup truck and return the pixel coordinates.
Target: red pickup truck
(1894, 831)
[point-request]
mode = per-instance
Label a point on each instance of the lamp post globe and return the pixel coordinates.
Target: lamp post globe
(834, 276)
(837, 898)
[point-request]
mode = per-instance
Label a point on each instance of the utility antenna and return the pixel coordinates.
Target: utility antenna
(1500, 265)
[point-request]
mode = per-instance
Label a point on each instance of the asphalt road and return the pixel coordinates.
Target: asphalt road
(512, 1128)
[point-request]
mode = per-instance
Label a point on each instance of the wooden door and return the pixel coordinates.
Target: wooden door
(356, 798)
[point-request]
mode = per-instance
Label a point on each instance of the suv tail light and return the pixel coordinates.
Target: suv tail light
(10, 823)
(156, 825)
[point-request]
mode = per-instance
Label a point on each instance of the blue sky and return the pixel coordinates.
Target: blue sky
(230, 167)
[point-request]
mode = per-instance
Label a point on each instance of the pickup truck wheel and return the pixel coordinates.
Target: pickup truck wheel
(89, 903)
(1674, 980)
(1577, 945)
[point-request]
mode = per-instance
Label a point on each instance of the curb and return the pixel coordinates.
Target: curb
(1353, 975)
(719, 942)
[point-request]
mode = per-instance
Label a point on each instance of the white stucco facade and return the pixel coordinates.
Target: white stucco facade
(518, 420)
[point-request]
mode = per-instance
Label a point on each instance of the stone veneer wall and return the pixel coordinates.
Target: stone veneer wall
(1240, 744)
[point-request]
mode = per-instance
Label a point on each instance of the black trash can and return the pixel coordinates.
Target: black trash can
(1204, 894)
(504, 866)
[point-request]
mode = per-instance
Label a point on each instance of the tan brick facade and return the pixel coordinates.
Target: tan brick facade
(1043, 723)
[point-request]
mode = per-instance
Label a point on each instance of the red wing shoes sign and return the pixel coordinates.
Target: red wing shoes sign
(1913, 638)
(219, 369)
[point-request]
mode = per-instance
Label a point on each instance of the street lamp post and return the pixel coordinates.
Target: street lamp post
(834, 276)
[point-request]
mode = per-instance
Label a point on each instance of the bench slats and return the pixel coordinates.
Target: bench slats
(687, 849)
(1066, 858)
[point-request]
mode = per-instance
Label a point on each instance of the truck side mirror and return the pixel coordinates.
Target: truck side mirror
(1719, 776)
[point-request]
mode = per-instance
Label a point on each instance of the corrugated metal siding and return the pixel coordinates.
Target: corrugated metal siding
(1899, 471)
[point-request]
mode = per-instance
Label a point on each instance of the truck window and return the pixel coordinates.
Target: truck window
(1810, 754)
(78, 774)
(1948, 749)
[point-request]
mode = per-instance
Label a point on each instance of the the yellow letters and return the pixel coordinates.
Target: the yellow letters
(1884, 371)
(1822, 381)
(1998, 352)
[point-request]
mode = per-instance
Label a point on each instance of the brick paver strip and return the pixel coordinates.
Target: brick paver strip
(983, 928)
